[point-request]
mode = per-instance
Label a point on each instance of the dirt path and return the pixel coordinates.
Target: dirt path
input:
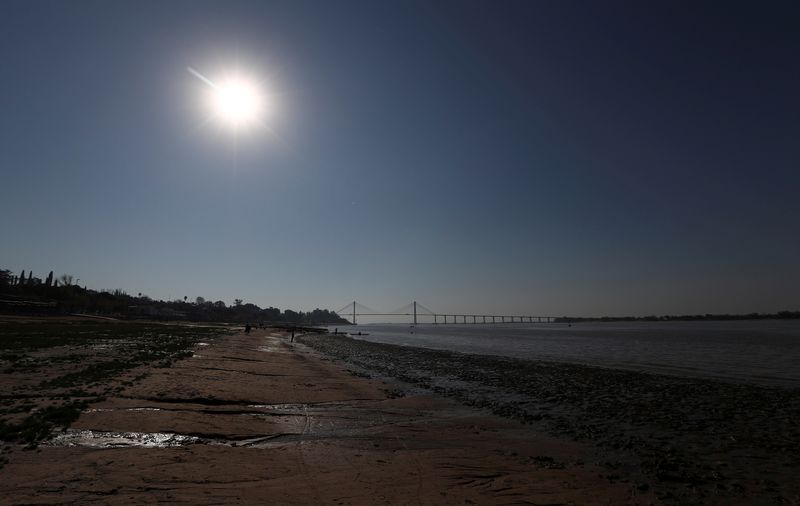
(255, 419)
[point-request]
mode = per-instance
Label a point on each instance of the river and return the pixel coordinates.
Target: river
(751, 351)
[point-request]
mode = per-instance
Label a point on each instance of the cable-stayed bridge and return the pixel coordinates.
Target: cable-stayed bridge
(417, 311)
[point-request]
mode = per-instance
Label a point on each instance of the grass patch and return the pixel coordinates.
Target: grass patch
(39, 425)
(105, 349)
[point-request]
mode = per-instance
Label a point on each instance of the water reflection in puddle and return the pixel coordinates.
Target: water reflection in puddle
(280, 407)
(98, 439)
(102, 439)
(101, 410)
(273, 349)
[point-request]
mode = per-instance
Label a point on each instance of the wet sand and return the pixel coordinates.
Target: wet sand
(256, 419)
(692, 441)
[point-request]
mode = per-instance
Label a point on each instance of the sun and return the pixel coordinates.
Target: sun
(234, 100)
(237, 102)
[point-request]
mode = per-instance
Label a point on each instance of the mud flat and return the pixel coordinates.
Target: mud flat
(691, 441)
(256, 419)
(51, 367)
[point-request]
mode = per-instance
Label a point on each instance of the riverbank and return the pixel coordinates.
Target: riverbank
(693, 441)
(257, 419)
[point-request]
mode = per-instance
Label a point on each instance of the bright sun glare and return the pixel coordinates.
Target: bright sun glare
(237, 102)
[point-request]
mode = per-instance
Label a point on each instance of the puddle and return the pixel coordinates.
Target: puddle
(98, 439)
(101, 410)
(202, 344)
(102, 439)
(273, 349)
(280, 407)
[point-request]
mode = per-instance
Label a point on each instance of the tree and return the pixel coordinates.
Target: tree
(5, 277)
(237, 302)
(184, 298)
(199, 301)
(292, 316)
(30, 277)
(66, 279)
(49, 280)
(22, 278)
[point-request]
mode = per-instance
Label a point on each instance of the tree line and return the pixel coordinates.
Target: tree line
(27, 294)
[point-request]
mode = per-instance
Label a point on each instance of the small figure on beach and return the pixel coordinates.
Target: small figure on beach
(247, 328)
(292, 340)
(336, 331)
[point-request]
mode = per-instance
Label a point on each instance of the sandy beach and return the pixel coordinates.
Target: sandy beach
(255, 419)
(692, 441)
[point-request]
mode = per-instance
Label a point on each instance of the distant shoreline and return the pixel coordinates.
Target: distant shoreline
(781, 315)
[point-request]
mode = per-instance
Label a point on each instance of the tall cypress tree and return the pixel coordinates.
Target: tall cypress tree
(22, 278)
(49, 280)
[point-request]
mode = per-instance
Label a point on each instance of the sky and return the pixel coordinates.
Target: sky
(519, 157)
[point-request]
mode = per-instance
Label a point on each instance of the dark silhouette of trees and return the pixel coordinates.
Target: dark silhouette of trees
(30, 295)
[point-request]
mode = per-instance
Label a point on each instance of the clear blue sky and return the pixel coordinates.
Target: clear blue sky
(581, 158)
